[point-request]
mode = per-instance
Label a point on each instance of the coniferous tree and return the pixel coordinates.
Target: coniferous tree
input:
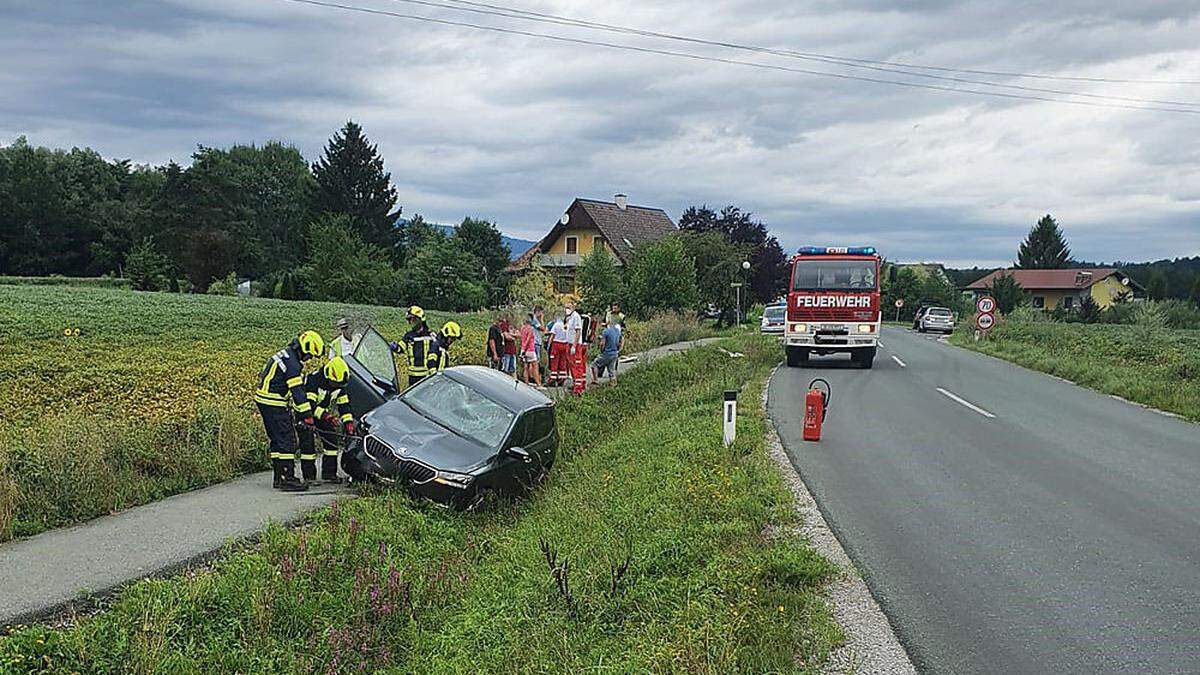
(1044, 248)
(351, 180)
(1008, 293)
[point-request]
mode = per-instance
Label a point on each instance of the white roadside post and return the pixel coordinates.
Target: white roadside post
(730, 419)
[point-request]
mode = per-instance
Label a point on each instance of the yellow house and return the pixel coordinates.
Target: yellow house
(1051, 289)
(587, 223)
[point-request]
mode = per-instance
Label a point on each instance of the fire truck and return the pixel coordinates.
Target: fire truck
(833, 304)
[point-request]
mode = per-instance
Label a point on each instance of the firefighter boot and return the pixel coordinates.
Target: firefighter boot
(277, 469)
(308, 468)
(289, 482)
(329, 469)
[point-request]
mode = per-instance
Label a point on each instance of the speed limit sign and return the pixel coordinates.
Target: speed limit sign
(985, 321)
(986, 304)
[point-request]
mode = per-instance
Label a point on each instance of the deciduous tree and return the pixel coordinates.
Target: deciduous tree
(662, 277)
(599, 280)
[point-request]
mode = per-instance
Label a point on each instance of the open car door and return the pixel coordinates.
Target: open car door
(373, 377)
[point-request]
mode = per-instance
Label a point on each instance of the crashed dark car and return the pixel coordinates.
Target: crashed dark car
(454, 438)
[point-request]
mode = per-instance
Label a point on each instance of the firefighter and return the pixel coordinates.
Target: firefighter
(281, 385)
(415, 344)
(326, 388)
(439, 350)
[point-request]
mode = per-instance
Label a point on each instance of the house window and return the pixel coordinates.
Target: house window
(1069, 302)
(597, 242)
(572, 245)
(1039, 302)
(564, 284)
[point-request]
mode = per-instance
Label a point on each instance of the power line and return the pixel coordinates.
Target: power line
(513, 13)
(840, 59)
(737, 62)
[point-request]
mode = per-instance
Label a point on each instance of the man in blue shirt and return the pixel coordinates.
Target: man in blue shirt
(610, 351)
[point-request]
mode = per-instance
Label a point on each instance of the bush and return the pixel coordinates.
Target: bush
(146, 268)
(59, 280)
(341, 268)
(599, 281)
(534, 287)
(664, 328)
(1181, 314)
(226, 286)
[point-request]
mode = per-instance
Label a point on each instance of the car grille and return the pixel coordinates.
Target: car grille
(407, 470)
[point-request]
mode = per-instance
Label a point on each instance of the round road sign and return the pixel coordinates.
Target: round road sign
(899, 302)
(985, 321)
(985, 304)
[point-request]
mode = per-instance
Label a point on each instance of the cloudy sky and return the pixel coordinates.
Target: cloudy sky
(512, 127)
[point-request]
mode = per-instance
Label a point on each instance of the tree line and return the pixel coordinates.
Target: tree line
(331, 230)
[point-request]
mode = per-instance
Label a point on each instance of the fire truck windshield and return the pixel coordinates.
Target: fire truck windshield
(834, 275)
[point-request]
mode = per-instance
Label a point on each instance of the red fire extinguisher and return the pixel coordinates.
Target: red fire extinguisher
(816, 403)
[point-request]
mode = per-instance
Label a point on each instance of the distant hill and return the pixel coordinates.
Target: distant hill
(516, 246)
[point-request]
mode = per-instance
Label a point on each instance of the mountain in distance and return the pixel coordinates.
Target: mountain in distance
(515, 246)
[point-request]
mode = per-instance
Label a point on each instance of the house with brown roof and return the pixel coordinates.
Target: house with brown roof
(618, 226)
(1050, 289)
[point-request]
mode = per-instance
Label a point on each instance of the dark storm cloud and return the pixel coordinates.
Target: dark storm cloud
(513, 127)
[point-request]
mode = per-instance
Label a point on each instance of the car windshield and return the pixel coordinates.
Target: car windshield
(834, 275)
(939, 311)
(375, 355)
(460, 409)
(774, 312)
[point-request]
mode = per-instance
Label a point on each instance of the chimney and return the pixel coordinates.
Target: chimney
(621, 200)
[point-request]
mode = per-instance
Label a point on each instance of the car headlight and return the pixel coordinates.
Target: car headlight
(866, 328)
(455, 480)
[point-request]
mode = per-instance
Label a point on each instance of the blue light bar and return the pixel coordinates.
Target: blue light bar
(837, 250)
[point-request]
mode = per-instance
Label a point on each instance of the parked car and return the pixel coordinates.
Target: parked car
(455, 437)
(773, 319)
(936, 318)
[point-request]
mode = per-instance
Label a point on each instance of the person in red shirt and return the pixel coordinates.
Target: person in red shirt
(511, 335)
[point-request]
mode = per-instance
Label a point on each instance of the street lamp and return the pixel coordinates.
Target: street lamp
(738, 287)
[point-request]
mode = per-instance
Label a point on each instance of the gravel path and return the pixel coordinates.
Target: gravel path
(871, 644)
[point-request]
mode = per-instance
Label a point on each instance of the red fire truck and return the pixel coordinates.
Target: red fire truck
(833, 304)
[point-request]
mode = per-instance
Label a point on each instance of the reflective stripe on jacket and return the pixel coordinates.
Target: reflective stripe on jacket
(281, 383)
(323, 395)
(439, 355)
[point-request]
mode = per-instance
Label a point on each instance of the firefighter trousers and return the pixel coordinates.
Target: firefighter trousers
(329, 434)
(281, 431)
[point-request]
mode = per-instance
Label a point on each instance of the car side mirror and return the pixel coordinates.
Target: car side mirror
(519, 453)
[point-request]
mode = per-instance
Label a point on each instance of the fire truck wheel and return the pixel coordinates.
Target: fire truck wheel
(796, 357)
(864, 358)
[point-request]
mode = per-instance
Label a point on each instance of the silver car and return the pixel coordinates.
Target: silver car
(773, 319)
(936, 318)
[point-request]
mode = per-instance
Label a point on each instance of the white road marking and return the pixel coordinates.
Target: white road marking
(966, 403)
(899, 362)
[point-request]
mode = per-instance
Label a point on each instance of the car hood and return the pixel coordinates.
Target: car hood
(417, 437)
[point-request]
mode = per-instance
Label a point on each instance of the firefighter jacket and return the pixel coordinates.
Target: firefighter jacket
(439, 355)
(323, 395)
(416, 345)
(281, 382)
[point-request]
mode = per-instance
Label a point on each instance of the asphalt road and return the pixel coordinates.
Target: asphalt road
(1007, 521)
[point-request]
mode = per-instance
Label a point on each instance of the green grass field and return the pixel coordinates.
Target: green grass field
(385, 584)
(152, 396)
(1156, 367)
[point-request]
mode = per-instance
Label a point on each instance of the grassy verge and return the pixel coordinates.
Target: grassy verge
(1159, 367)
(656, 528)
(152, 397)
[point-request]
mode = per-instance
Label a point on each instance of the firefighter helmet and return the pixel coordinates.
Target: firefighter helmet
(311, 343)
(416, 311)
(451, 329)
(336, 371)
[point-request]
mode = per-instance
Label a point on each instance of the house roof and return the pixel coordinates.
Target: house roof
(624, 229)
(1050, 280)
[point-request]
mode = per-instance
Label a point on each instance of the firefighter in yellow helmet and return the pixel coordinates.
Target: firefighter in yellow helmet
(439, 350)
(325, 389)
(415, 344)
(282, 400)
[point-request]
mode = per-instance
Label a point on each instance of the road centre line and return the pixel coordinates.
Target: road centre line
(966, 403)
(899, 362)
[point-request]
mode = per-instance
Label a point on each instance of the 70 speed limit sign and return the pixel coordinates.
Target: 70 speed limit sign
(985, 304)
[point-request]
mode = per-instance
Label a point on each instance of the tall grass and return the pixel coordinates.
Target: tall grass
(1146, 362)
(650, 548)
